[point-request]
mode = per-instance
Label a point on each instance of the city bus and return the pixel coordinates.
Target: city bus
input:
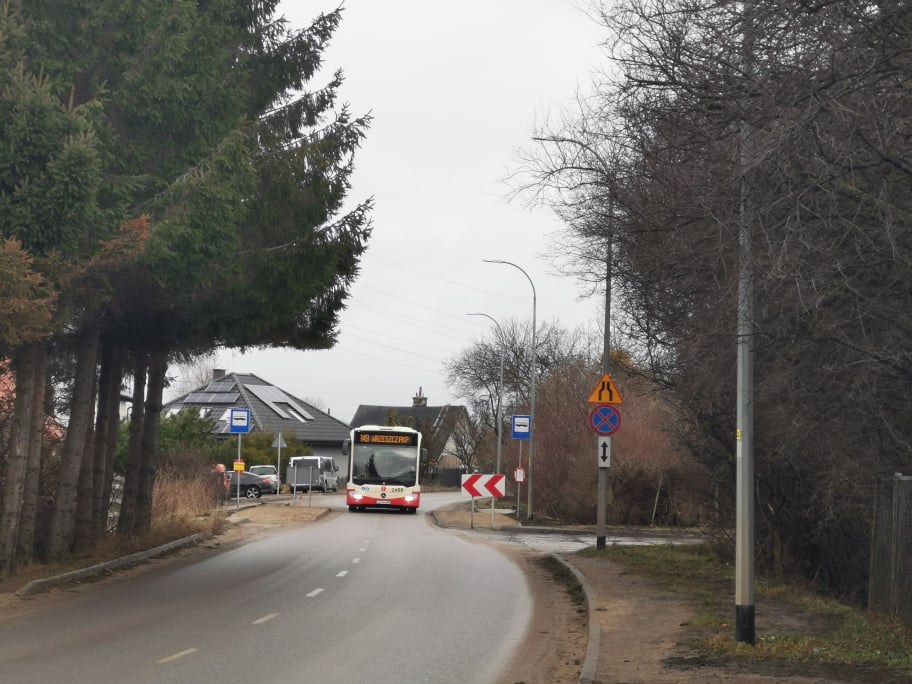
(383, 466)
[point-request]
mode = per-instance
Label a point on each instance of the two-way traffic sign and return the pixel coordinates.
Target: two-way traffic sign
(603, 451)
(483, 485)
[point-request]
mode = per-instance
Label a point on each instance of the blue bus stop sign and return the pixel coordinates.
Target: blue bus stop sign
(240, 421)
(521, 427)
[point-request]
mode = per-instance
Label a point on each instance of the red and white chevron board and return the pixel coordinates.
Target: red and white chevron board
(483, 485)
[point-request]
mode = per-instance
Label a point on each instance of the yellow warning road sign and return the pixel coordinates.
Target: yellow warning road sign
(605, 392)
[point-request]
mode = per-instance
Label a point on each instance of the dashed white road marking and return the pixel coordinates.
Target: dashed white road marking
(314, 592)
(342, 573)
(265, 618)
(356, 560)
(179, 654)
(362, 549)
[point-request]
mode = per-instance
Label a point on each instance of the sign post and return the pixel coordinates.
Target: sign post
(278, 442)
(520, 431)
(238, 469)
(476, 485)
(604, 419)
(239, 424)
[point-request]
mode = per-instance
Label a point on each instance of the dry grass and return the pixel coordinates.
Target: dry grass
(182, 505)
(796, 625)
(185, 504)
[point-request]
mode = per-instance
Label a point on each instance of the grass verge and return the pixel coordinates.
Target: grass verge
(564, 578)
(793, 623)
(182, 505)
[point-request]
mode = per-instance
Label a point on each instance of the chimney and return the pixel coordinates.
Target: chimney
(218, 373)
(419, 399)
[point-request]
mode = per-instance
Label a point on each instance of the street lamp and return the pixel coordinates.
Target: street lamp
(532, 382)
(499, 386)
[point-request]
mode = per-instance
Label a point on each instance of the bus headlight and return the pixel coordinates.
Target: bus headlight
(410, 497)
(356, 495)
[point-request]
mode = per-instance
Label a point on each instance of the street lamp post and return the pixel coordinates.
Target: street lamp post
(499, 401)
(499, 386)
(532, 381)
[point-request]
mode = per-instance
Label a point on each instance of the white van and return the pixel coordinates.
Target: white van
(318, 472)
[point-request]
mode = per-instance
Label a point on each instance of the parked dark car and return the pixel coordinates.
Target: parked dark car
(267, 472)
(252, 486)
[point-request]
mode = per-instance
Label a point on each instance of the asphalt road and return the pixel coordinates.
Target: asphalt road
(358, 597)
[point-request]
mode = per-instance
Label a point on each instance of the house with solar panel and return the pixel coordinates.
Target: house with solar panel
(272, 409)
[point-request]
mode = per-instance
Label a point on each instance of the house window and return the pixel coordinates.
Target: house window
(294, 412)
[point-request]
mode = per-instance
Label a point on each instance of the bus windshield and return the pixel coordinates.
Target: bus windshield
(383, 464)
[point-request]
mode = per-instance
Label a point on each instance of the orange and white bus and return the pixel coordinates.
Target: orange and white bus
(383, 468)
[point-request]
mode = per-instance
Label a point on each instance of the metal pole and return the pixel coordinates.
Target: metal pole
(519, 484)
(532, 379)
(601, 514)
(744, 438)
(499, 399)
(279, 467)
(499, 425)
(237, 503)
(310, 484)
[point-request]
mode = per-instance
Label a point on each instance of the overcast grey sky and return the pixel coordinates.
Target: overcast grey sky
(455, 89)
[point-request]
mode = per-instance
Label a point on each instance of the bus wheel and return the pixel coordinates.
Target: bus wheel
(352, 508)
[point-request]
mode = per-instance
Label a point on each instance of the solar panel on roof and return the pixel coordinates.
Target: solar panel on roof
(212, 398)
(220, 386)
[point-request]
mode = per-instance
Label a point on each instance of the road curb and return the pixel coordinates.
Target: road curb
(45, 583)
(589, 667)
(35, 586)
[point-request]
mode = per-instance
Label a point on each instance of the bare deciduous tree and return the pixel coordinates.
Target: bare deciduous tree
(653, 164)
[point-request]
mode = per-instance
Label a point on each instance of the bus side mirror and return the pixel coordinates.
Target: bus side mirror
(424, 455)
(346, 447)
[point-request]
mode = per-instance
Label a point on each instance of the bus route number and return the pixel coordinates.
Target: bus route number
(382, 438)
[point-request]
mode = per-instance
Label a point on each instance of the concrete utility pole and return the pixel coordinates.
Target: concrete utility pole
(601, 522)
(745, 630)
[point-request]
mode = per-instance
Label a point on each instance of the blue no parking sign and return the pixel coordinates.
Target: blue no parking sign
(605, 419)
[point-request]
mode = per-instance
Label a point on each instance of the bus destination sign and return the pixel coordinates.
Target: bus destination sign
(401, 439)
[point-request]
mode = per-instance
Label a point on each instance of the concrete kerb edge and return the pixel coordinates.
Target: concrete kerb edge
(35, 586)
(589, 667)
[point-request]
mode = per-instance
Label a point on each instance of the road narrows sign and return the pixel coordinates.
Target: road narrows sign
(605, 392)
(483, 485)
